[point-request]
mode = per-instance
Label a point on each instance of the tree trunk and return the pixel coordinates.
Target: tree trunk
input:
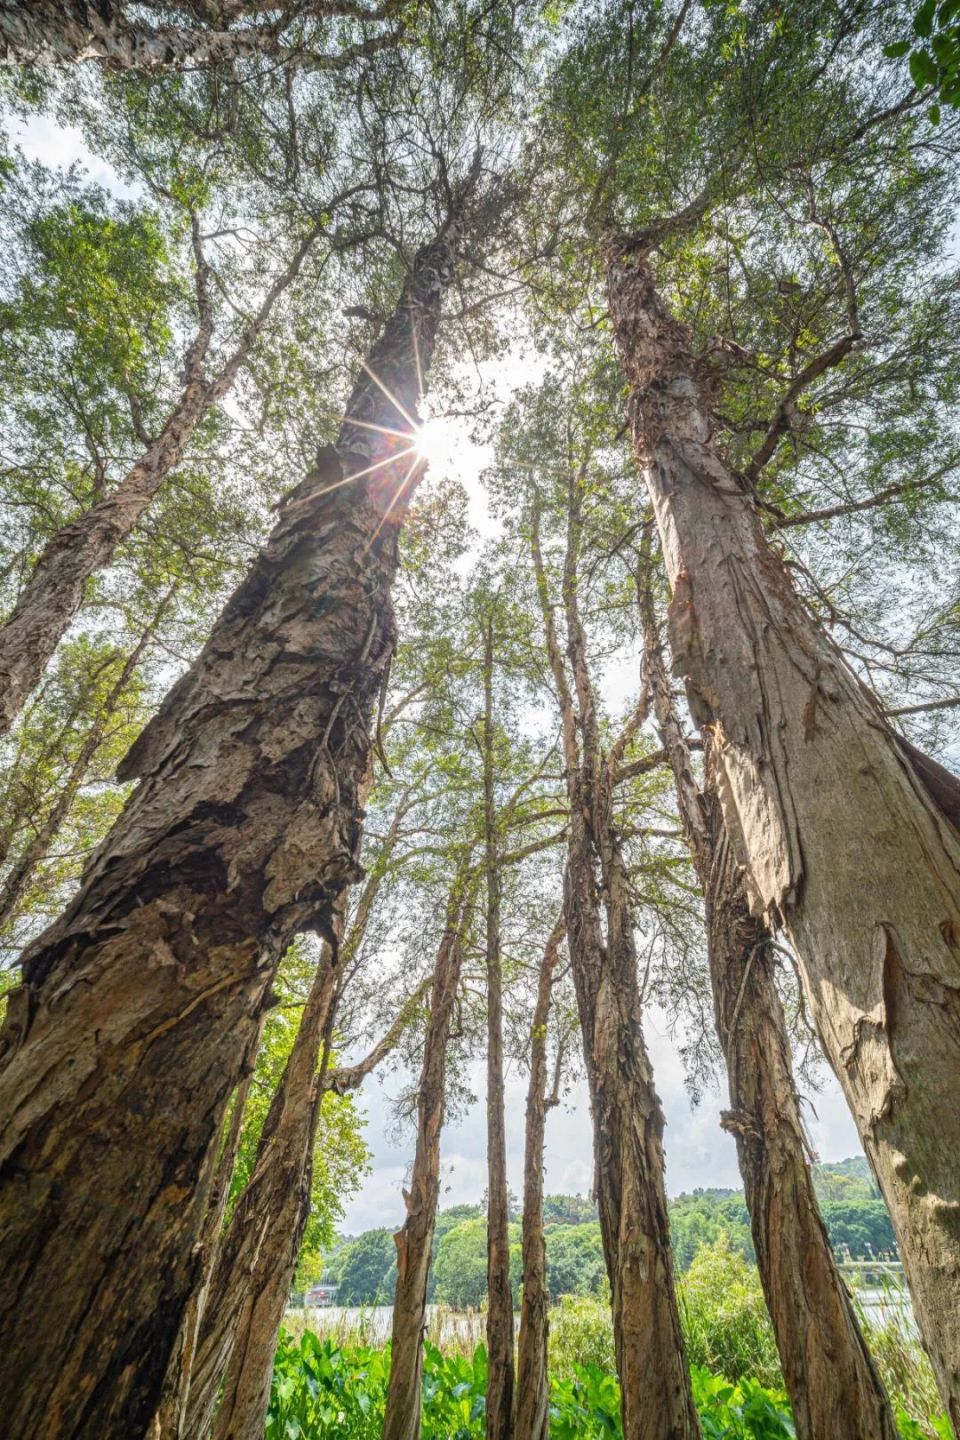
(172, 1410)
(533, 1389)
(124, 1043)
(54, 592)
(832, 1381)
(401, 1419)
(499, 1413)
(656, 1400)
(257, 1258)
(68, 32)
(843, 841)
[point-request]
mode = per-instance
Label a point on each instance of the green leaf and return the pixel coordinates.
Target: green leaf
(923, 69)
(896, 51)
(923, 20)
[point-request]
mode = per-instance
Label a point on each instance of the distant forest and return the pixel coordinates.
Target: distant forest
(364, 1266)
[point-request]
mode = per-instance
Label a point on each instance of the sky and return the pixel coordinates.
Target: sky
(698, 1152)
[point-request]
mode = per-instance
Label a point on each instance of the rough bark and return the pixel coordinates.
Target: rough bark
(257, 1257)
(832, 1381)
(124, 1043)
(656, 1401)
(174, 1397)
(533, 1391)
(499, 1412)
(54, 592)
(402, 1416)
(68, 32)
(842, 841)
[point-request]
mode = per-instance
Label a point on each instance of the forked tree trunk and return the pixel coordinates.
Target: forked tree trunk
(402, 1417)
(125, 1041)
(656, 1400)
(54, 592)
(171, 1411)
(832, 1381)
(842, 840)
(533, 1390)
(499, 1412)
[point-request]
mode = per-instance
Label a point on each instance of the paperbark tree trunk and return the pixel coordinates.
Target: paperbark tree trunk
(68, 32)
(402, 1418)
(499, 1412)
(832, 1381)
(257, 1257)
(124, 1043)
(174, 1397)
(54, 592)
(843, 840)
(656, 1400)
(533, 1390)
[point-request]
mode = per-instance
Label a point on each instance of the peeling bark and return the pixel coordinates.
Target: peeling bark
(533, 1390)
(499, 1412)
(842, 841)
(656, 1400)
(68, 32)
(414, 1240)
(123, 1044)
(832, 1381)
(54, 592)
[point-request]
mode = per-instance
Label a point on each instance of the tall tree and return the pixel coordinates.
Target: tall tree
(499, 1411)
(414, 1240)
(275, 716)
(810, 775)
(627, 1116)
(832, 1381)
(533, 1390)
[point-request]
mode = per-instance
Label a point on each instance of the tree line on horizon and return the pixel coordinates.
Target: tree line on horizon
(302, 777)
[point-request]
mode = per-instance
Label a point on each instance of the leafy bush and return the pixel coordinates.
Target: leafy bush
(581, 1334)
(725, 1318)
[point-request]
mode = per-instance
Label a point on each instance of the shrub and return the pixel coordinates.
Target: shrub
(581, 1334)
(725, 1318)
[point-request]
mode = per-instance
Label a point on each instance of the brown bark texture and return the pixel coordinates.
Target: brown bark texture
(172, 1409)
(414, 1240)
(55, 590)
(832, 1381)
(656, 1400)
(532, 1416)
(841, 840)
(123, 1044)
(68, 32)
(499, 1411)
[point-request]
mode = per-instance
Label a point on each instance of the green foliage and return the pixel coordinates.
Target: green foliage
(725, 1317)
(365, 1269)
(934, 54)
(581, 1334)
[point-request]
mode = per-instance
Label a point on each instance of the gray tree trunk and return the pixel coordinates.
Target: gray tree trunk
(121, 1048)
(842, 840)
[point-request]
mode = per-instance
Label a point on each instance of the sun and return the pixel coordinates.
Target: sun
(438, 441)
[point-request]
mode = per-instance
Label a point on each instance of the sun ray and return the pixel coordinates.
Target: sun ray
(396, 496)
(392, 398)
(381, 429)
